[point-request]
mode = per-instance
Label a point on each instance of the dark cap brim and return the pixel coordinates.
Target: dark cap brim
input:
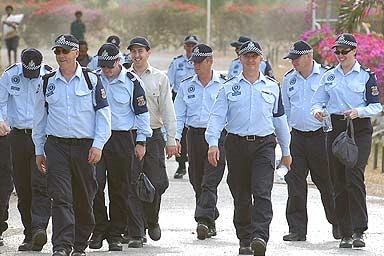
(197, 59)
(106, 63)
(66, 47)
(292, 56)
(31, 73)
(245, 52)
(342, 45)
(236, 44)
(190, 41)
(138, 44)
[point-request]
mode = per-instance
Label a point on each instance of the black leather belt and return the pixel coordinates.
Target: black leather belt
(156, 131)
(69, 141)
(116, 131)
(309, 133)
(198, 131)
(25, 131)
(249, 138)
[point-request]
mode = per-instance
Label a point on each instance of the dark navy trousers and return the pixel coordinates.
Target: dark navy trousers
(72, 186)
(33, 201)
(251, 165)
(6, 183)
(203, 176)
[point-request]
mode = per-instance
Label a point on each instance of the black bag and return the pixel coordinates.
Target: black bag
(144, 189)
(345, 148)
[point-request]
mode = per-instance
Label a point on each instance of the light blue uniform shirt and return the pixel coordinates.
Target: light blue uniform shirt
(194, 101)
(357, 89)
(297, 93)
(179, 69)
(17, 97)
(121, 99)
(236, 67)
(74, 111)
(245, 109)
(93, 64)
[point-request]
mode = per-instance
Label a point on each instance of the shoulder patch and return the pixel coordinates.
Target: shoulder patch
(290, 71)
(48, 68)
(187, 78)
(10, 67)
(229, 79)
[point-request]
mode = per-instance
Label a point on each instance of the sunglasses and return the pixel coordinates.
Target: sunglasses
(61, 51)
(343, 52)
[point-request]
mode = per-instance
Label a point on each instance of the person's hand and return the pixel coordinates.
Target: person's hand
(171, 151)
(213, 155)
(4, 129)
(286, 160)
(351, 113)
(139, 151)
(41, 163)
(94, 155)
(319, 116)
(178, 147)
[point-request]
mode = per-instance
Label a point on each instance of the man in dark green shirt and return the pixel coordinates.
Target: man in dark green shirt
(78, 27)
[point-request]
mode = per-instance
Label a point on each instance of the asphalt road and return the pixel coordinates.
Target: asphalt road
(179, 237)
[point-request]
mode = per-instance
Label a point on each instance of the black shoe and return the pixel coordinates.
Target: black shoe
(259, 246)
(115, 246)
(96, 241)
(25, 246)
(336, 231)
(346, 242)
(180, 172)
(39, 239)
(202, 231)
(136, 243)
(212, 229)
(358, 240)
(294, 237)
(78, 253)
(144, 239)
(1, 240)
(245, 250)
(125, 239)
(60, 252)
(155, 232)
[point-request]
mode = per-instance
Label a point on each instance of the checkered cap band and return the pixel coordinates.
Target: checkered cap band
(63, 41)
(196, 53)
(106, 56)
(31, 66)
(298, 52)
(251, 47)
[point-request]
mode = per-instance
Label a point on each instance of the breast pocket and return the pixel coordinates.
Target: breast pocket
(122, 100)
(84, 100)
(267, 103)
(357, 91)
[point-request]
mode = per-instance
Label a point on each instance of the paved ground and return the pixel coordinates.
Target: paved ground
(178, 228)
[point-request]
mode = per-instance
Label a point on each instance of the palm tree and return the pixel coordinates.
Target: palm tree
(353, 11)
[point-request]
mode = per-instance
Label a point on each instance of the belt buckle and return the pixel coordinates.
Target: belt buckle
(250, 137)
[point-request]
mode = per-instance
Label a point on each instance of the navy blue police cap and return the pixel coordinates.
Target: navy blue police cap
(298, 49)
(251, 46)
(114, 40)
(345, 41)
(66, 41)
(240, 41)
(139, 41)
(200, 52)
(31, 59)
(107, 55)
(191, 39)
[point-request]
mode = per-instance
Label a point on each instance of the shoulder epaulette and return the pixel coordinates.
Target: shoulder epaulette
(45, 80)
(369, 71)
(8, 68)
(327, 67)
(187, 78)
(272, 79)
(48, 68)
(178, 56)
(222, 76)
(229, 79)
(290, 71)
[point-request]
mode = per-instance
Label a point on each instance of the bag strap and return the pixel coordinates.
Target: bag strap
(351, 128)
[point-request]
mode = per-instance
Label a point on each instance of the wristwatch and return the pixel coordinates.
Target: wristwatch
(142, 143)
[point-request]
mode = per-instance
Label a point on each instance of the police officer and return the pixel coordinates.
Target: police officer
(162, 114)
(179, 69)
(307, 143)
(250, 108)
(18, 87)
(192, 105)
(349, 91)
(236, 67)
(72, 110)
(128, 108)
(113, 39)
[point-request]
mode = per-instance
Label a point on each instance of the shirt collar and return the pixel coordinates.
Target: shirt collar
(315, 70)
(215, 78)
(148, 70)
(356, 67)
(78, 72)
(261, 78)
(121, 77)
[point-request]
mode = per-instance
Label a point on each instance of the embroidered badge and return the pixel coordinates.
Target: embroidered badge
(140, 101)
(181, 65)
(191, 96)
(191, 89)
(15, 79)
(375, 90)
(292, 81)
(331, 77)
(236, 90)
(103, 93)
(15, 88)
(291, 88)
(50, 89)
(236, 66)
